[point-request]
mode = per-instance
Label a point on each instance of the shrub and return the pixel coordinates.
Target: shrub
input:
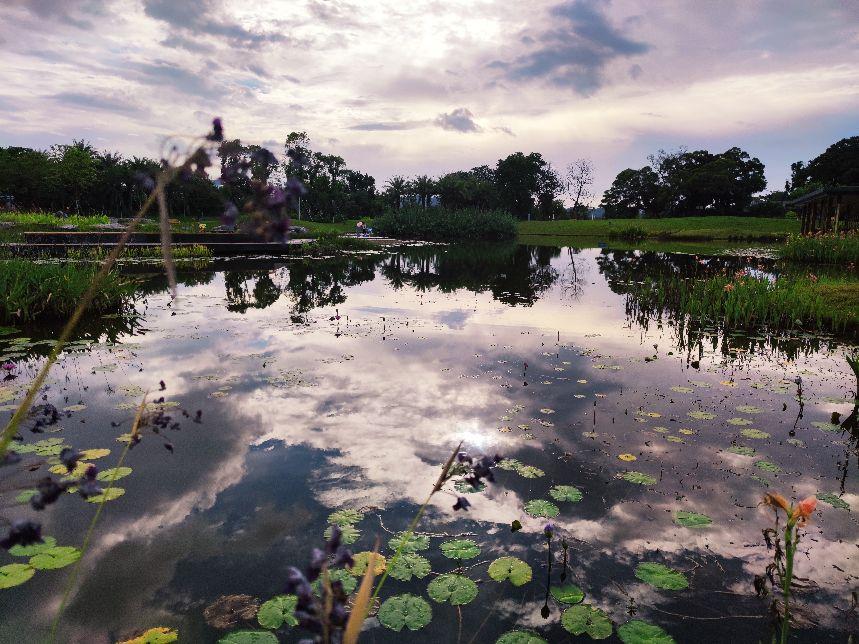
(446, 225)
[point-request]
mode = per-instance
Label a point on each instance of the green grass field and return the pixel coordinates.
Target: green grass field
(678, 228)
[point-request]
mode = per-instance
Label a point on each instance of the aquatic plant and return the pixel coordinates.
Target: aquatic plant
(441, 224)
(822, 248)
(47, 219)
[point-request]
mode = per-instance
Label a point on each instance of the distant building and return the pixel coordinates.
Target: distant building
(596, 213)
(834, 209)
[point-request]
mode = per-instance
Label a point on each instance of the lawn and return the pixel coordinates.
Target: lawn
(691, 228)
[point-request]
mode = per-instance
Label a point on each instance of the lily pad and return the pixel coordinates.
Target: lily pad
(406, 611)
(627, 457)
(691, 519)
(682, 390)
(24, 496)
(362, 560)
(584, 618)
(408, 565)
(768, 466)
(638, 632)
(748, 409)
(832, 499)
(739, 422)
(337, 574)
(520, 637)
(92, 454)
(454, 589)
(345, 517)
(530, 472)
(742, 450)
(542, 508)
(349, 534)
(701, 415)
(509, 464)
(79, 407)
(278, 611)
(661, 576)
(249, 637)
(566, 493)
(33, 548)
(54, 558)
(108, 495)
(113, 474)
(638, 477)
(827, 427)
(414, 543)
(460, 549)
(754, 433)
(568, 594)
(465, 487)
(15, 574)
(156, 635)
(516, 570)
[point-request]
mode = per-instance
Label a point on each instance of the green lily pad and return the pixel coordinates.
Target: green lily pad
(739, 422)
(638, 477)
(460, 549)
(530, 472)
(156, 635)
(337, 574)
(56, 557)
(114, 473)
(682, 390)
(568, 594)
(110, 494)
(795, 442)
(454, 589)
(516, 570)
(754, 433)
(92, 454)
(465, 487)
(345, 517)
(691, 519)
(278, 611)
(414, 543)
(741, 450)
(509, 464)
(249, 637)
(767, 466)
(33, 548)
(584, 618)
(832, 499)
(566, 493)
(362, 560)
(701, 415)
(748, 409)
(24, 496)
(520, 637)
(15, 574)
(661, 576)
(349, 534)
(827, 427)
(542, 508)
(408, 565)
(638, 632)
(406, 611)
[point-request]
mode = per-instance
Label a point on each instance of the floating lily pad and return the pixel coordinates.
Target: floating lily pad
(249, 637)
(24, 496)
(754, 433)
(33, 548)
(584, 618)
(568, 594)
(460, 549)
(742, 450)
(406, 611)
(795, 442)
(78, 471)
(546, 410)
(661, 576)
(465, 487)
(337, 574)
(156, 635)
(566, 493)
(827, 427)
(748, 409)
(638, 632)
(349, 534)
(682, 390)
(520, 637)
(542, 508)
(408, 565)
(92, 454)
(530, 472)
(414, 543)
(832, 499)
(691, 519)
(56, 557)
(113, 474)
(509, 464)
(701, 415)
(638, 477)
(15, 574)
(516, 570)
(362, 560)
(767, 466)
(454, 589)
(345, 517)
(627, 457)
(278, 611)
(108, 495)
(739, 421)
(74, 408)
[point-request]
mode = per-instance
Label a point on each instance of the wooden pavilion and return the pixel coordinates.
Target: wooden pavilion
(833, 209)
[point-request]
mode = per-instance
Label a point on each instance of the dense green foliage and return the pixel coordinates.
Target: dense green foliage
(822, 249)
(837, 165)
(443, 224)
(31, 290)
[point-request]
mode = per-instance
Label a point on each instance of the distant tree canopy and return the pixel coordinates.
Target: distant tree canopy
(686, 183)
(838, 165)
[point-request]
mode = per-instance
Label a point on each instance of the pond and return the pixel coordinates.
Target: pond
(345, 383)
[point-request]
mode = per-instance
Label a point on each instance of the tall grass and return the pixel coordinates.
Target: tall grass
(822, 249)
(47, 219)
(29, 290)
(187, 251)
(446, 225)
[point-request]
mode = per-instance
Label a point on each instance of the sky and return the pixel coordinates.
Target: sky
(431, 86)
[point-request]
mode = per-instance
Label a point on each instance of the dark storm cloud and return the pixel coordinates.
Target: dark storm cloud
(96, 102)
(459, 120)
(206, 17)
(575, 52)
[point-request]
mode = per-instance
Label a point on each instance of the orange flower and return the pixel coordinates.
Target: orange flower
(729, 288)
(777, 501)
(804, 509)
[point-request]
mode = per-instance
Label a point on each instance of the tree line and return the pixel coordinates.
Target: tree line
(80, 179)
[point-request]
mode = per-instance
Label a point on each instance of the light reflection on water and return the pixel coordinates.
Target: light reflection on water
(346, 382)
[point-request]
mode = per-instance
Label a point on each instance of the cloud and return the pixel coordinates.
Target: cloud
(96, 102)
(460, 120)
(164, 73)
(574, 53)
(63, 11)
(388, 126)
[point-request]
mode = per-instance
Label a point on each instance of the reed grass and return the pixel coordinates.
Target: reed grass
(822, 249)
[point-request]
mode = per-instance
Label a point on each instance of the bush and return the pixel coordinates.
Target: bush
(446, 225)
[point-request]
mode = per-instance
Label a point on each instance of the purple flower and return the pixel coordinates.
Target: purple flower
(461, 503)
(549, 530)
(70, 457)
(22, 533)
(49, 491)
(87, 486)
(9, 366)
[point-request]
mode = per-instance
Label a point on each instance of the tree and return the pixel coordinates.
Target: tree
(578, 181)
(519, 178)
(395, 189)
(837, 165)
(633, 193)
(75, 167)
(424, 188)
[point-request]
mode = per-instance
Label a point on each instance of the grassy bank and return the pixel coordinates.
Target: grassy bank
(30, 290)
(822, 249)
(675, 228)
(446, 225)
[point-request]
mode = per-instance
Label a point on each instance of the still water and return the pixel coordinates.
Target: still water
(344, 383)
